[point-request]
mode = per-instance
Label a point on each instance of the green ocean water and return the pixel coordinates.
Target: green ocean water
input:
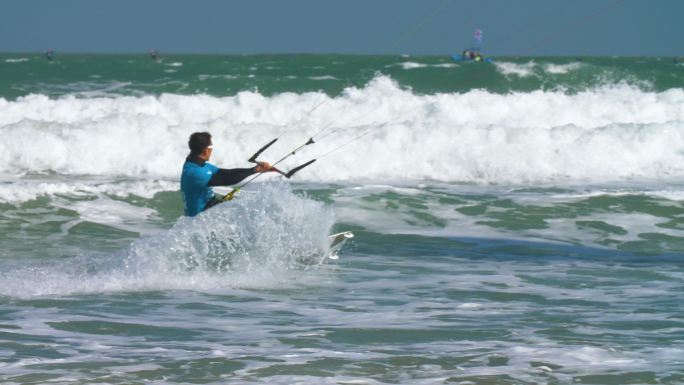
(222, 75)
(515, 222)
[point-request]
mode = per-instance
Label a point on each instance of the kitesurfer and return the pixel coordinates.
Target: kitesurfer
(199, 175)
(472, 55)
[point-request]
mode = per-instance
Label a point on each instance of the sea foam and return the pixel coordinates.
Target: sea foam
(263, 240)
(377, 132)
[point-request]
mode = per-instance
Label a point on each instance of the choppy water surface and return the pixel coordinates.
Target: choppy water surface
(527, 229)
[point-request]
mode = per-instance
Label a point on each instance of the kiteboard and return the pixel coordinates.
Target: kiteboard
(337, 241)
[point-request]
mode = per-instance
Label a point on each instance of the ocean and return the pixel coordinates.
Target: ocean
(515, 222)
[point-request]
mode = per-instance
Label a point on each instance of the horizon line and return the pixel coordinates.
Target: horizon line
(162, 53)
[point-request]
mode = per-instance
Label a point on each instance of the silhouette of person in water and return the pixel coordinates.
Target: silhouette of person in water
(472, 55)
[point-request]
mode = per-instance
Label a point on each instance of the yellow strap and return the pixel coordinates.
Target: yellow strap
(230, 195)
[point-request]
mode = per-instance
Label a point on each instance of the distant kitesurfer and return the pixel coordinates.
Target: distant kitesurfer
(199, 175)
(472, 55)
(50, 54)
(153, 54)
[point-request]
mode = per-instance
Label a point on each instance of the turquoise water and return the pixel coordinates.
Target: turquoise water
(520, 222)
(90, 75)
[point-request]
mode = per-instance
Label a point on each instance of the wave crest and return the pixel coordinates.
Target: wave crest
(611, 132)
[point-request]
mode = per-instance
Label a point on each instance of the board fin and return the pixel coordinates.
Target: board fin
(337, 241)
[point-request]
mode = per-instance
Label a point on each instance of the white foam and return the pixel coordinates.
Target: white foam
(561, 69)
(324, 77)
(581, 356)
(17, 60)
(674, 195)
(205, 77)
(258, 241)
(25, 190)
(408, 65)
(633, 226)
(519, 70)
(110, 212)
(609, 133)
(469, 305)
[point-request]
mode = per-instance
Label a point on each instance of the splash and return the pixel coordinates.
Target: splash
(271, 229)
(261, 239)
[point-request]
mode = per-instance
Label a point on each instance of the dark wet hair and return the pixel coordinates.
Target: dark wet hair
(198, 142)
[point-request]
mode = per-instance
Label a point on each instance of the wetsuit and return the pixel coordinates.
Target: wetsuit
(197, 179)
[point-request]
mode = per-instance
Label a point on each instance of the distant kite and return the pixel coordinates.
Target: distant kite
(477, 38)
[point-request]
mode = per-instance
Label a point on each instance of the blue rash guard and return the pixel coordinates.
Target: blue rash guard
(197, 178)
(195, 186)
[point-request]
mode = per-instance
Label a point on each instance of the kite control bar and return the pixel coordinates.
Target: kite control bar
(288, 175)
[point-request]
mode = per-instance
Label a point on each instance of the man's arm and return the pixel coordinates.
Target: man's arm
(228, 177)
